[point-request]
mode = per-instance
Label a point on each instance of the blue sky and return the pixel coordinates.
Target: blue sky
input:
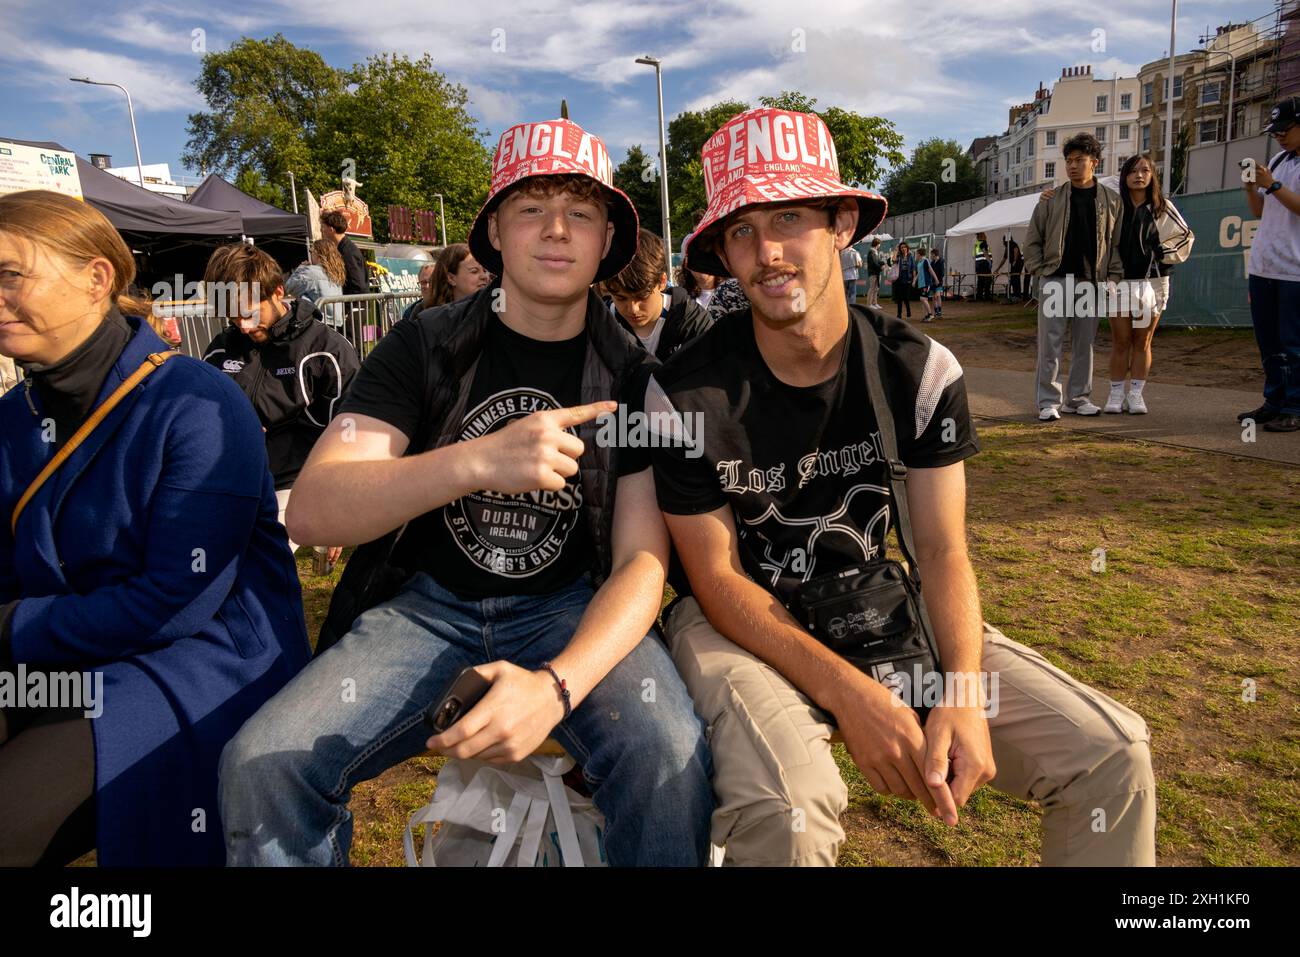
(935, 68)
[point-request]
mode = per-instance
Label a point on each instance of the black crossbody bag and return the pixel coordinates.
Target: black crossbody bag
(873, 614)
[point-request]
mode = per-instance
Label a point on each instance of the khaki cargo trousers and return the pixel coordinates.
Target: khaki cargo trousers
(1084, 757)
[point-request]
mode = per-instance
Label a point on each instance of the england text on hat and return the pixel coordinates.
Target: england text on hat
(538, 140)
(775, 139)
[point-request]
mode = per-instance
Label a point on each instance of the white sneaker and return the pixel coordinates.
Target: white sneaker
(1048, 414)
(1083, 408)
(1134, 404)
(1115, 404)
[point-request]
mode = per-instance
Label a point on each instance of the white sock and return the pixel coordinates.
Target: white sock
(1116, 388)
(1137, 386)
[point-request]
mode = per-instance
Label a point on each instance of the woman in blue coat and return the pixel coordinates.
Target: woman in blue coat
(148, 601)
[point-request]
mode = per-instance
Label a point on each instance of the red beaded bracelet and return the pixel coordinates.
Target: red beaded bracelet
(564, 689)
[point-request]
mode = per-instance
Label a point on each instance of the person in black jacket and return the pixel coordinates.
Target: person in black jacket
(293, 367)
(662, 319)
(497, 532)
(334, 227)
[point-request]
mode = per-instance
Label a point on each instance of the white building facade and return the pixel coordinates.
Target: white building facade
(1029, 154)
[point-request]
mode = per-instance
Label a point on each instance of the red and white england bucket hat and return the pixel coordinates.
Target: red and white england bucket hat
(771, 156)
(555, 148)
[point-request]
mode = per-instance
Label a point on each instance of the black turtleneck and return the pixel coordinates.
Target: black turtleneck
(68, 388)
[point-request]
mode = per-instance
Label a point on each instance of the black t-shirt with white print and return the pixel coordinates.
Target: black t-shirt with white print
(803, 468)
(487, 544)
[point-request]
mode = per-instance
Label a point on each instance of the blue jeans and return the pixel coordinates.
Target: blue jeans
(1275, 313)
(357, 710)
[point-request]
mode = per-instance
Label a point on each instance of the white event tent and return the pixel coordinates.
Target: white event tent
(1007, 217)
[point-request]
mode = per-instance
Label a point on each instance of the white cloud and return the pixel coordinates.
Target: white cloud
(498, 108)
(154, 86)
(937, 67)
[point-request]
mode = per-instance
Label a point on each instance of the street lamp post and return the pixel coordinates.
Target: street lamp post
(663, 165)
(442, 219)
(1169, 105)
(934, 218)
(139, 164)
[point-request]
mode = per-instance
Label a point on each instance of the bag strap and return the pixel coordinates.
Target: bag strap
(152, 363)
(515, 817)
(897, 470)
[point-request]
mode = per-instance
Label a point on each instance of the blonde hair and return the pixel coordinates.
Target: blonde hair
(327, 256)
(79, 233)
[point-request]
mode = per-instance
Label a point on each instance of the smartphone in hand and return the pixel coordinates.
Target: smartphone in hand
(464, 692)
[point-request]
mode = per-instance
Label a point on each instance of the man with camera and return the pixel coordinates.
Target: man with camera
(811, 412)
(1273, 194)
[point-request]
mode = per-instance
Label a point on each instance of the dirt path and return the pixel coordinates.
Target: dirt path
(1005, 337)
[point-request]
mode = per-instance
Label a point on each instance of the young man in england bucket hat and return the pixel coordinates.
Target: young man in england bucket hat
(790, 480)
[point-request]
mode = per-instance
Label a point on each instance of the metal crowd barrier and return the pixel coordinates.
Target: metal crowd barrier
(361, 319)
(364, 319)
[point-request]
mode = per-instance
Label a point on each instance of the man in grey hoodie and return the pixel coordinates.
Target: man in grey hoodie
(1072, 246)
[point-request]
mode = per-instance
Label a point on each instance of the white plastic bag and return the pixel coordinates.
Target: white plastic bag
(518, 815)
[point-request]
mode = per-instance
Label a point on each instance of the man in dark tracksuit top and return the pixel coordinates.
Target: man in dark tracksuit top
(293, 367)
(663, 320)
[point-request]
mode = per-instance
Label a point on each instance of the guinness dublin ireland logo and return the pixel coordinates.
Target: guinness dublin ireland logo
(512, 535)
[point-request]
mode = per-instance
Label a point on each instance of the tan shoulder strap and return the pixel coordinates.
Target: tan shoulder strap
(152, 362)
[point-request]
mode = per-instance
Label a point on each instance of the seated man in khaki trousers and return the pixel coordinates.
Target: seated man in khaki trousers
(782, 477)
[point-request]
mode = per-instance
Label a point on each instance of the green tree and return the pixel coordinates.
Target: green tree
(687, 132)
(264, 98)
(791, 100)
(395, 125)
(405, 133)
(940, 161)
(636, 177)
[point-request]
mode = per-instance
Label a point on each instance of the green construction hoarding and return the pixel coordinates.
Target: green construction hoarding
(1210, 288)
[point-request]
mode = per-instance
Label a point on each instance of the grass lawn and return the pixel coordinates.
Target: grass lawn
(1198, 597)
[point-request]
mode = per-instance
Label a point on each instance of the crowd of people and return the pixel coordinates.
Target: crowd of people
(920, 276)
(1092, 252)
(153, 503)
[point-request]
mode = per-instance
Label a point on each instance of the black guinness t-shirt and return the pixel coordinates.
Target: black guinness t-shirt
(803, 468)
(488, 544)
